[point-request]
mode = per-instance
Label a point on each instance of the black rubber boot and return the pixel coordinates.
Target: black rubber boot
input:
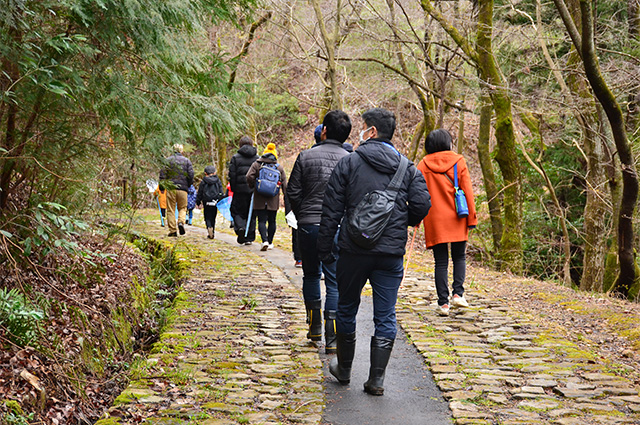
(380, 353)
(340, 365)
(330, 331)
(314, 320)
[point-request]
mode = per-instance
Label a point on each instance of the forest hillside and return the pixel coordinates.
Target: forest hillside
(541, 98)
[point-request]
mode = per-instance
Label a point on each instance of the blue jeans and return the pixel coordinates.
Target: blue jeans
(385, 275)
(441, 257)
(312, 268)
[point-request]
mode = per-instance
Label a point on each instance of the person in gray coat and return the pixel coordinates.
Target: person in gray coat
(176, 176)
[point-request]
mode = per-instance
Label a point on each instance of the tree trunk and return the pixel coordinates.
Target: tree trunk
(510, 255)
(629, 176)
(633, 9)
(490, 186)
(330, 44)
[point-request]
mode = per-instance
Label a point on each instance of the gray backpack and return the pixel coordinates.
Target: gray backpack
(367, 221)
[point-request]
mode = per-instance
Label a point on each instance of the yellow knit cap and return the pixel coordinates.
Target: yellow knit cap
(271, 148)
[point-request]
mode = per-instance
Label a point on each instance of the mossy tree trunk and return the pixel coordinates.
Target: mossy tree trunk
(490, 186)
(510, 254)
(584, 43)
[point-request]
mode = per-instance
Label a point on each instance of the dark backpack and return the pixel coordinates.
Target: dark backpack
(268, 181)
(367, 221)
(212, 192)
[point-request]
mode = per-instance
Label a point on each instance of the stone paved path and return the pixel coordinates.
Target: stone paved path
(236, 352)
(498, 366)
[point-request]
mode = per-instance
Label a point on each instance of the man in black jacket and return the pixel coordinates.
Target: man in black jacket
(305, 191)
(370, 168)
(177, 177)
(238, 167)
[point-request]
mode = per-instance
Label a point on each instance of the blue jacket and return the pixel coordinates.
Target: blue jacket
(191, 197)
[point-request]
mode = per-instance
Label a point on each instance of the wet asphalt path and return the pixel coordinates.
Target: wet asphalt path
(410, 397)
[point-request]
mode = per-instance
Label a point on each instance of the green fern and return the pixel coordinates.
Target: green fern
(19, 317)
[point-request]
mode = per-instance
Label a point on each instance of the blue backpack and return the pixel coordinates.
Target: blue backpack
(268, 181)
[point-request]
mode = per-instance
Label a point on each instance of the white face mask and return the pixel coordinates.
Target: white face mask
(362, 134)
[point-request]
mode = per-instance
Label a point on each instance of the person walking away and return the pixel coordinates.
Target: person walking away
(265, 207)
(443, 227)
(371, 167)
(238, 167)
(306, 189)
(191, 203)
(209, 193)
(161, 194)
(176, 176)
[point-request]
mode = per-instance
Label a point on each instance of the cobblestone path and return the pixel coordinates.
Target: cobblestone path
(499, 366)
(235, 352)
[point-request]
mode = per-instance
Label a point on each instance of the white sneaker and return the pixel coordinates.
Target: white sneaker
(248, 243)
(265, 246)
(270, 246)
(443, 310)
(459, 301)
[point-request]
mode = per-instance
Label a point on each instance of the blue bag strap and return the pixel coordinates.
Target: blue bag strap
(455, 175)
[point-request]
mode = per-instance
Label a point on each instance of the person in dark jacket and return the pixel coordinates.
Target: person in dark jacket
(266, 208)
(176, 176)
(306, 187)
(209, 193)
(371, 167)
(238, 167)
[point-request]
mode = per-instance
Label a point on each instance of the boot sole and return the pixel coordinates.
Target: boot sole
(374, 391)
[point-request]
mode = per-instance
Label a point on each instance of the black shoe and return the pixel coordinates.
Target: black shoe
(173, 235)
(380, 353)
(314, 316)
(181, 228)
(340, 366)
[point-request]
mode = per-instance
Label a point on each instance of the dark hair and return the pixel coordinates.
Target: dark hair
(437, 141)
(338, 125)
(383, 120)
(245, 140)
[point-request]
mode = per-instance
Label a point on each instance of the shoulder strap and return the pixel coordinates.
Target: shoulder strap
(394, 185)
(455, 175)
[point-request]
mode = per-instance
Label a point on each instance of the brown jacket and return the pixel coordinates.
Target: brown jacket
(261, 202)
(442, 224)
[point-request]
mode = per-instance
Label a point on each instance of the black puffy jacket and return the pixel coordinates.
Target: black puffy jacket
(178, 172)
(309, 178)
(238, 167)
(372, 167)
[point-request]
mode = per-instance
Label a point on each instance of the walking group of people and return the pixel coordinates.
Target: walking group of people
(335, 194)
(326, 191)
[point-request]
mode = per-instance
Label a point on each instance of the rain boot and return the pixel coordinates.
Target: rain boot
(380, 353)
(340, 365)
(210, 230)
(330, 331)
(314, 320)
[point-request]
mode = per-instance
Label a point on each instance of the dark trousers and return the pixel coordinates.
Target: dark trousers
(312, 266)
(210, 212)
(266, 224)
(239, 212)
(384, 274)
(441, 257)
(295, 246)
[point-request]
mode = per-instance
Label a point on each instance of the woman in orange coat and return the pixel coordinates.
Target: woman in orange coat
(442, 226)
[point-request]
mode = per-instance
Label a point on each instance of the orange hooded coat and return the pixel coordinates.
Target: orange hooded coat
(442, 224)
